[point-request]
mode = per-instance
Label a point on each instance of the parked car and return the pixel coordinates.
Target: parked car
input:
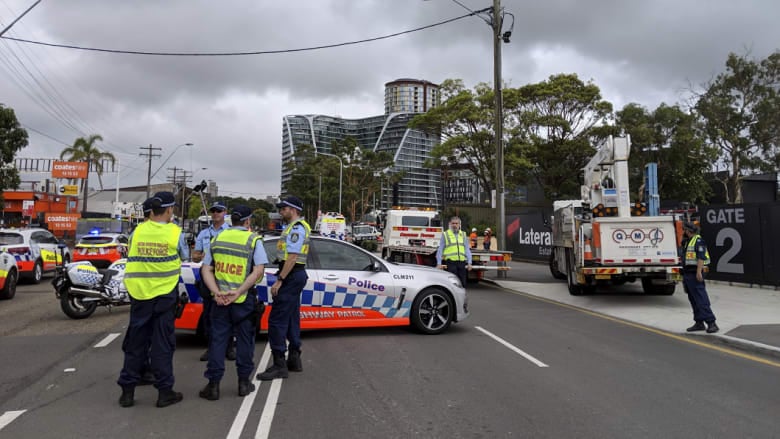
(9, 275)
(350, 287)
(35, 251)
(101, 249)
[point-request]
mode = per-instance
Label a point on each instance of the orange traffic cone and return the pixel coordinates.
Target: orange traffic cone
(588, 251)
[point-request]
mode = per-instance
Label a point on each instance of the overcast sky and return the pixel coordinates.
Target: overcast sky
(231, 108)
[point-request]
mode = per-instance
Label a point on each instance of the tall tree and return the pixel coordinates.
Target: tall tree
(361, 175)
(84, 150)
(12, 138)
(465, 121)
(668, 137)
(557, 123)
(739, 113)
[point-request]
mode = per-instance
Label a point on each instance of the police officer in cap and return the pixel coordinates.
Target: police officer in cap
(152, 278)
(284, 321)
(695, 257)
(202, 244)
(232, 265)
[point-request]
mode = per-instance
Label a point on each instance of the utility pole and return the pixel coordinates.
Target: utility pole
(499, 126)
(179, 180)
(149, 154)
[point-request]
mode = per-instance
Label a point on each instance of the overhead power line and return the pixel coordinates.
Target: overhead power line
(257, 52)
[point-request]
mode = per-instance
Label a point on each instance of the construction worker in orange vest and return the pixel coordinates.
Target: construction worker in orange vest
(473, 237)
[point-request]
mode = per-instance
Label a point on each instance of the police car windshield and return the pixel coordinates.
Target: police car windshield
(414, 221)
(11, 238)
(92, 240)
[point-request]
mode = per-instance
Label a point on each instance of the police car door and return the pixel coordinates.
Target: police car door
(356, 287)
(42, 249)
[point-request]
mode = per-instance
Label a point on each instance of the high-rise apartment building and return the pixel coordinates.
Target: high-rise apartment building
(404, 98)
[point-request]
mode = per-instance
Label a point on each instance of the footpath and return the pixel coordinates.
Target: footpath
(748, 317)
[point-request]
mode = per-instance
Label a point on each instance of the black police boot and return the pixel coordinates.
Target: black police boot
(168, 397)
(294, 361)
(245, 387)
(128, 395)
(277, 370)
(211, 391)
(699, 326)
(230, 354)
(204, 356)
(712, 328)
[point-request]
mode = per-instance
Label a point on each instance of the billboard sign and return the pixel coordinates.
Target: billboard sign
(62, 221)
(28, 206)
(69, 169)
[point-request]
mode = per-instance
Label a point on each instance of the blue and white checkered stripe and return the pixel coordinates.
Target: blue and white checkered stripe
(24, 257)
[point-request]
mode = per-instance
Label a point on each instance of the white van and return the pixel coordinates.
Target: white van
(331, 224)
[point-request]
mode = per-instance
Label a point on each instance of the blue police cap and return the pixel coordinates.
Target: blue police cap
(163, 199)
(241, 212)
(217, 205)
(291, 201)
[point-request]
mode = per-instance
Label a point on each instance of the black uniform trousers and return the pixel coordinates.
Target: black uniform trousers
(284, 320)
(150, 335)
(238, 318)
(458, 268)
(697, 295)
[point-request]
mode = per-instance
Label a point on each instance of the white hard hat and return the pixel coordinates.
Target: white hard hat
(474, 229)
(488, 229)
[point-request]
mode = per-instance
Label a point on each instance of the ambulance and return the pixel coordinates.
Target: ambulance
(331, 225)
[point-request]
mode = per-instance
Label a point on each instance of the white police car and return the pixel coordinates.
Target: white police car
(9, 275)
(349, 287)
(35, 251)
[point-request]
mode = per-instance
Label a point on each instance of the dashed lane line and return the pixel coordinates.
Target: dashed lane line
(512, 347)
(107, 340)
(9, 416)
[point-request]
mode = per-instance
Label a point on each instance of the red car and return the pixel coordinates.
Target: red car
(101, 249)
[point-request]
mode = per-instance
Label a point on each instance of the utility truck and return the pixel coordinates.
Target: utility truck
(412, 236)
(603, 239)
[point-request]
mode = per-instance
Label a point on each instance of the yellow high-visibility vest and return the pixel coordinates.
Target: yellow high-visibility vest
(281, 245)
(454, 248)
(233, 251)
(153, 264)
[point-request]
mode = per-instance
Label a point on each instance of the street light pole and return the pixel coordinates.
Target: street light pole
(499, 128)
(167, 158)
(341, 173)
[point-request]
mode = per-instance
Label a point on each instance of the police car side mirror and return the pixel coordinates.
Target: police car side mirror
(376, 267)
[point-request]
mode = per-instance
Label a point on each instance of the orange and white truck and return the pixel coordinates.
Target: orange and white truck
(412, 236)
(603, 239)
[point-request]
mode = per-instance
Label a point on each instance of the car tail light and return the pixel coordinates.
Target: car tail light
(106, 250)
(18, 250)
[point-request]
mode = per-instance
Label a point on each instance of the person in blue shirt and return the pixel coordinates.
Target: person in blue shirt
(202, 245)
(232, 265)
(454, 252)
(284, 320)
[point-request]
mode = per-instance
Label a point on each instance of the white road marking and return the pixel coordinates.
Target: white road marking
(246, 405)
(9, 416)
(109, 338)
(511, 346)
(70, 369)
(264, 427)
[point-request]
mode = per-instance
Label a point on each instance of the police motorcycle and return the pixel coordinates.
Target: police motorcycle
(81, 288)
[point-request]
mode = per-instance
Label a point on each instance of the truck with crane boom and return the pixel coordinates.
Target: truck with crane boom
(604, 239)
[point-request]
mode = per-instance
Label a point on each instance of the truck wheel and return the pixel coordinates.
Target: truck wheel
(571, 277)
(658, 288)
(9, 289)
(554, 267)
(74, 307)
(432, 311)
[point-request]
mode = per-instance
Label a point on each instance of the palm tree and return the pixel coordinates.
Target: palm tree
(84, 150)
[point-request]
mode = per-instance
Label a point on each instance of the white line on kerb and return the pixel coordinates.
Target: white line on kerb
(9, 416)
(249, 400)
(510, 346)
(109, 338)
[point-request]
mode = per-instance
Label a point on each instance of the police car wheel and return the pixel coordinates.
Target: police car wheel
(9, 289)
(37, 273)
(432, 312)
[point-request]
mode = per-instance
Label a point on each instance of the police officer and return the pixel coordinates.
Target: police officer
(232, 266)
(453, 254)
(284, 321)
(152, 277)
(695, 257)
(202, 243)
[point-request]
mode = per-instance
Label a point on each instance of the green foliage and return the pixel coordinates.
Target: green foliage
(556, 123)
(669, 137)
(260, 219)
(739, 115)
(12, 139)
(360, 179)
